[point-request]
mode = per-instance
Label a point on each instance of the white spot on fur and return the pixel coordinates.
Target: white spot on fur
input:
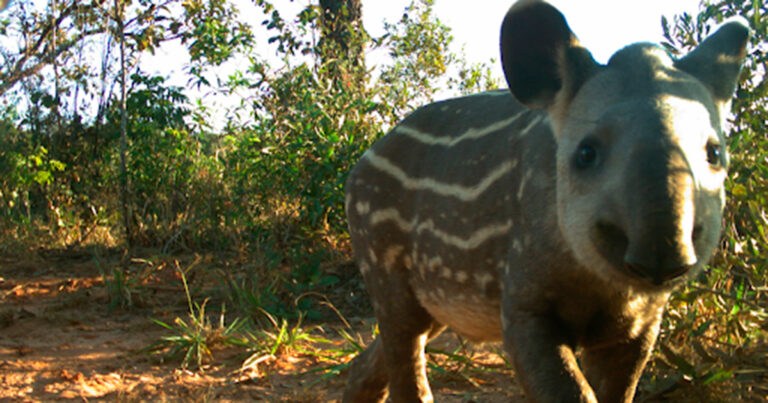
(461, 276)
(422, 270)
(390, 257)
(441, 293)
(420, 294)
(364, 267)
(434, 263)
(446, 273)
(517, 245)
(483, 279)
(363, 207)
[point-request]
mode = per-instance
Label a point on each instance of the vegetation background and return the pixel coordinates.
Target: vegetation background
(98, 156)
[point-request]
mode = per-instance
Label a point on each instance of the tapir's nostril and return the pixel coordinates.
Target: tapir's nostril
(610, 240)
(612, 234)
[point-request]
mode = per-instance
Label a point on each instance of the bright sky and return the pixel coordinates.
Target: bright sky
(602, 26)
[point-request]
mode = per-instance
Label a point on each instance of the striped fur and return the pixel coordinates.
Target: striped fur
(410, 197)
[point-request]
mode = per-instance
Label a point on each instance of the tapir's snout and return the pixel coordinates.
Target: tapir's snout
(652, 235)
(656, 258)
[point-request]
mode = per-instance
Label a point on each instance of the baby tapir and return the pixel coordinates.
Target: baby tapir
(555, 218)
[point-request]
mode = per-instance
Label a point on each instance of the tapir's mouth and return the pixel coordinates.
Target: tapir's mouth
(658, 279)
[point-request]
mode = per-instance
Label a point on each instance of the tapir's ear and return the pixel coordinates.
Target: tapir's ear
(716, 62)
(543, 62)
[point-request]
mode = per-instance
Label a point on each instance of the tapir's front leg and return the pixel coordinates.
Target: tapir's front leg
(614, 370)
(544, 360)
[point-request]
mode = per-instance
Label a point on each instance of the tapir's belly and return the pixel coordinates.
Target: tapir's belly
(477, 320)
(459, 282)
(465, 298)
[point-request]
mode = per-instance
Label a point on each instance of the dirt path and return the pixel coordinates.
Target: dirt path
(59, 342)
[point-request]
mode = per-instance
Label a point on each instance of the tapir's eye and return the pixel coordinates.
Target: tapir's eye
(586, 154)
(713, 153)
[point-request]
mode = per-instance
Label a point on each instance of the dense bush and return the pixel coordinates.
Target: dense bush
(269, 184)
(715, 329)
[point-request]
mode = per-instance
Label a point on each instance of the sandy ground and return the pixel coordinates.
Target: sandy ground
(60, 342)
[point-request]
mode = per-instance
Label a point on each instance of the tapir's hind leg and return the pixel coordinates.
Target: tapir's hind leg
(404, 354)
(369, 373)
(395, 362)
(367, 380)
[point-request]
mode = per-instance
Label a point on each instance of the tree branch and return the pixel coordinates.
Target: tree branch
(20, 71)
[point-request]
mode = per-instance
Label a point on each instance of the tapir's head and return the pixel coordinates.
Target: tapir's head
(641, 156)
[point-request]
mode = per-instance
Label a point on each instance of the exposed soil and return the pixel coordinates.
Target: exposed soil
(60, 341)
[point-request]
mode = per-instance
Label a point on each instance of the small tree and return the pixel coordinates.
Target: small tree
(341, 23)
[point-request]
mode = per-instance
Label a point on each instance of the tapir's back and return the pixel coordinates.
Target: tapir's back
(436, 199)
